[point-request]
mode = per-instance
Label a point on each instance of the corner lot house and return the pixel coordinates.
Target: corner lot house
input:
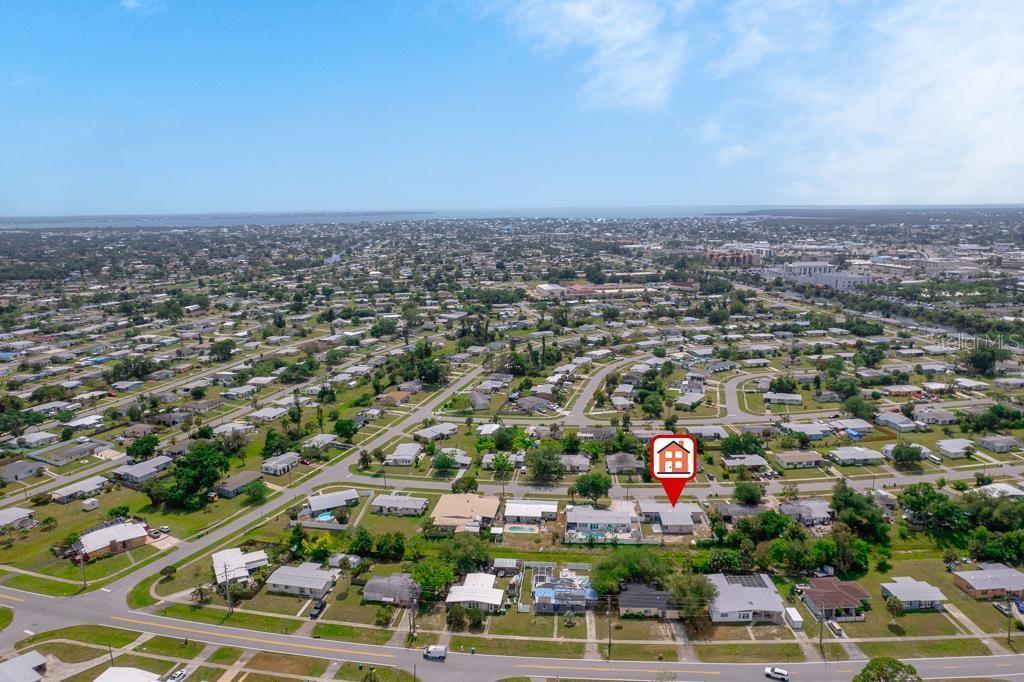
(915, 595)
(745, 599)
(477, 591)
(27, 667)
(990, 581)
(234, 565)
(19, 471)
(17, 518)
(833, 599)
(398, 505)
(112, 539)
(398, 589)
(280, 464)
(304, 580)
(404, 455)
(328, 502)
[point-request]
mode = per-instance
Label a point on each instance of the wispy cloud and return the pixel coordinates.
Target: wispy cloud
(635, 47)
(142, 6)
(24, 79)
(928, 110)
(756, 30)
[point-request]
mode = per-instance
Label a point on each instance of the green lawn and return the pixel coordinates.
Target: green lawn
(641, 652)
(239, 620)
(517, 647)
(925, 648)
(745, 653)
(169, 646)
(527, 625)
(288, 664)
(6, 616)
(225, 655)
(101, 635)
(31, 583)
(350, 633)
(630, 628)
(70, 653)
(206, 674)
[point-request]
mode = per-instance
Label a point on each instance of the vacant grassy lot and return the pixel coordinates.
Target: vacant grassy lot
(169, 646)
(745, 653)
(350, 633)
(527, 625)
(90, 634)
(631, 629)
(922, 648)
(641, 652)
(288, 664)
(70, 653)
(225, 655)
(517, 647)
(239, 620)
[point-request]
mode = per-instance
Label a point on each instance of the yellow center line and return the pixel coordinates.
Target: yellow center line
(11, 597)
(257, 640)
(610, 670)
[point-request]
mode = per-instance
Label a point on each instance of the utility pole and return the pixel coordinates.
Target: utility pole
(81, 560)
(227, 590)
(609, 612)
(1009, 618)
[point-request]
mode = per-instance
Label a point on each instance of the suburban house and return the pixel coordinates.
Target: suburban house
(914, 594)
(855, 455)
(646, 601)
(233, 565)
(328, 502)
(516, 459)
(830, 598)
(280, 464)
(731, 511)
(932, 414)
(436, 432)
(85, 488)
(464, 512)
(896, 421)
(773, 398)
(506, 566)
(17, 518)
(267, 414)
(811, 430)
(990, 581)
(321, 441)
(111, 539)
(954, 448)
(66, 454)
(576, 464)
(587, 521)
(745, 599)
(530, 511)
(748, 462)
(811, 511)
(680, 519)
(477, 591)
(999, 443)
(26, 667)
(799, 459)
(398, 505)
(623, 463)
(143, 472)
(567, 592)
(404, 455)
(398, 589)
(305, 580)
(21, 470)
(233, 485)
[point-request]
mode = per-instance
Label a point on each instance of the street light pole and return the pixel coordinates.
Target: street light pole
(81, 560)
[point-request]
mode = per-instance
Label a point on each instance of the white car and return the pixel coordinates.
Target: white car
(834, 627)
(435, 652)
(165, 529)
(178, 676)
(776, 673)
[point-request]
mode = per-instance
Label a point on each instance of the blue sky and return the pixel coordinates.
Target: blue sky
(142, 106)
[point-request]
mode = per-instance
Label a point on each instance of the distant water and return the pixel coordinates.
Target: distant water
(332, 217)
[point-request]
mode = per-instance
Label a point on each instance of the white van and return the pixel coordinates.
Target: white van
(435, 652)
(935, 459)
(90, 504)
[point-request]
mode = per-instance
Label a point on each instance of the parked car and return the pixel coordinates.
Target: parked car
(777, 673)
(165, 529)
(435, 652)
(1001, 608)
(154, 533)
(317, 609)
(178, 676)
(1019, 604)
(834, 627)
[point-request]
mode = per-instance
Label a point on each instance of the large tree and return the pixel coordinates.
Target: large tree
(885, 669)
(593, 485)
(693, 592)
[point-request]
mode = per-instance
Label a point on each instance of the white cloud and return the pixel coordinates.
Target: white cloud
(928, 111)
(24, 79)
(142, 6)
(731, 153)
(636, 50)
(759, 29)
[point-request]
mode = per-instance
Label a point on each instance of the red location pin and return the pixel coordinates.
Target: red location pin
(673, 462)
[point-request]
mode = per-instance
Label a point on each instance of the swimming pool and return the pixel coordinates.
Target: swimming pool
(326, 516)
(521, 529)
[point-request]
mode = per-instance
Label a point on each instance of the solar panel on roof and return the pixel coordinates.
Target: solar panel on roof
(745, 580)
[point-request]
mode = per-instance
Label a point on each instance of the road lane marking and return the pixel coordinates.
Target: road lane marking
(11, 597)
(605, 669)
(257, 640)
(28, 632)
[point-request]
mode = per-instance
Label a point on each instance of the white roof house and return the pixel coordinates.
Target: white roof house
(746, 599)
(116, 533)
(478, 591)
(230, 565)
(535, 510)
(328, 501)
(855, 454)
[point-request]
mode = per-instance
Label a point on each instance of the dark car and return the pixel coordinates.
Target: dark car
(317, 609)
